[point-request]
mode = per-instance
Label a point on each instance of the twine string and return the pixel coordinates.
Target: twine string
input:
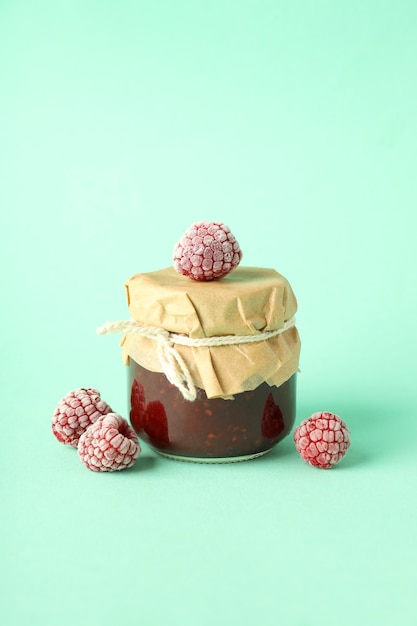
(173, 365)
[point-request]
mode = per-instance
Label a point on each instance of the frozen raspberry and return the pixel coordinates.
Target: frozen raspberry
(206, 251)
(272, 421)
(75, 413)
(109, 444)
(322, 439)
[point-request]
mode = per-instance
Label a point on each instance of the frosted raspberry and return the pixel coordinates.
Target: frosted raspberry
(322, 439)
(207, 250)
(75, 413)
(109, 444)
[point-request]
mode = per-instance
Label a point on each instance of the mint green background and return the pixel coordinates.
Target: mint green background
(294, 123)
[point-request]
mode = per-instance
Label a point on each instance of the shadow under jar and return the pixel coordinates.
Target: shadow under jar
(214, 430)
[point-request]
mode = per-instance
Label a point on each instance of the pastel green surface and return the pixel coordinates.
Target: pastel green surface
(294, 123)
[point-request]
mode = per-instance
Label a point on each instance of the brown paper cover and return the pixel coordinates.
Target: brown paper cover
(248, 301)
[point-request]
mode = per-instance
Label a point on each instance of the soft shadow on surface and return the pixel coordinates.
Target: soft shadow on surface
(376, 431)
(353, 458)
(147, 460)
(284, 449)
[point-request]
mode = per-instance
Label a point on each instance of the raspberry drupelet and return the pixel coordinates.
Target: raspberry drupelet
(206, 251)
(322, 439)
(75, 412)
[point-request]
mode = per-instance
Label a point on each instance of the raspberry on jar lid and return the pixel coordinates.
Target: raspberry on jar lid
(206, 251)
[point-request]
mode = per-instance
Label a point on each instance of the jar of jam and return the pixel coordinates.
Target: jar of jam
(209, 430)
(211, 366)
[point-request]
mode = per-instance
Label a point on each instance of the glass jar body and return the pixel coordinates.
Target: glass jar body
(209, 430)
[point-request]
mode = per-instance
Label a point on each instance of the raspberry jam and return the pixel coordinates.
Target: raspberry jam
(209, 430)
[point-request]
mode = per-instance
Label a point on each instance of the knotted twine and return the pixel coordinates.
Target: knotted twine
(172, 363)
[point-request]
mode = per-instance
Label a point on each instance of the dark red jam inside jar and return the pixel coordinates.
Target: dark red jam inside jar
(209, 430)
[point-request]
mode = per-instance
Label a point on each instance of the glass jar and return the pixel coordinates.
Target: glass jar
(212, 367)
(214, 430)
